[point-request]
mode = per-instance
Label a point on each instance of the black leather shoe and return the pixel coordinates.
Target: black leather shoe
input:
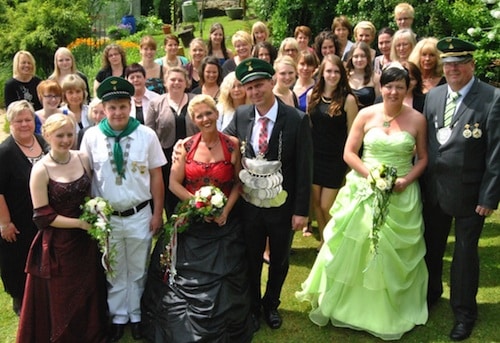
(135, 329)
(16, 305)
(273, 318)
(116, 332)
(255, 322)
(461, 331)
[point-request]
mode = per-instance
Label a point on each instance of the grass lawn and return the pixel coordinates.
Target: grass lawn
(297, 328)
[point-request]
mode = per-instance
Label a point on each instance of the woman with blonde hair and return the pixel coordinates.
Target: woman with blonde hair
(198, 51)
(285, 77)
(114, 62)
(232, 95)
(154, 71)
(75, 100)
(65, 302)
(22, 85)
(427, 58)
(365, 31)
(65, 64)
(242, 42)
(260, 32)
(289, 47)
(403, 43)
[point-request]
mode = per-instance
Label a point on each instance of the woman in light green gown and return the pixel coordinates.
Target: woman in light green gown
(382, 292)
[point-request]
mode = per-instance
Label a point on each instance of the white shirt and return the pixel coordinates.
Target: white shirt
(463, 93)
(145, 153)
(272, 114)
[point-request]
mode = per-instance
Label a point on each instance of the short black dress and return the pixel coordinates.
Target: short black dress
(329, 134)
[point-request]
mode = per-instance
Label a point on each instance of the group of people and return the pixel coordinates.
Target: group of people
(277, 132)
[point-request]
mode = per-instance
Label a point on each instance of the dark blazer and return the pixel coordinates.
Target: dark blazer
(296, 152)
(464, 172)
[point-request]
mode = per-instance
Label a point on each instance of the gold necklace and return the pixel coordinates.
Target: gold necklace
(387, 122)
(326, 100)
(30, 147)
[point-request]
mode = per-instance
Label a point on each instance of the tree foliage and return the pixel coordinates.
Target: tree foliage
(41, 26)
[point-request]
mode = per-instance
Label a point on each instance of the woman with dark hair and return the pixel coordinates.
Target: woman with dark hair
(136, 75)
(154, 71)
(217, 44)
(414, 97)
(114, 62)
(265, 51)
(303, 35)
(308, 62)
(364, 83)
(373, 277)
(210, 78)
(326, 43)
(171, 58)
(342, 28)
(384, 41)
(332, 108)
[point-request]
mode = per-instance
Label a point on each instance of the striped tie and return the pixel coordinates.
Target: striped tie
(263, 135)
(451, 105)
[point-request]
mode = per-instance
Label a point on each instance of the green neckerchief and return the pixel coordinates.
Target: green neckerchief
(117, 149)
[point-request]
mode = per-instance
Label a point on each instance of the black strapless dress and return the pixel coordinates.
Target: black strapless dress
(209, 300)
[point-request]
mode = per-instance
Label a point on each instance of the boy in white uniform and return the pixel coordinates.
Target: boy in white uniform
(126, 159)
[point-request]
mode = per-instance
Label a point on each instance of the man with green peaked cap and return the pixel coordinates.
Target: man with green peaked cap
(462, 180)
(270, 130)
(126, 159)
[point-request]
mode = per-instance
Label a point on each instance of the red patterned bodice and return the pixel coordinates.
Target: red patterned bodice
(219, 174)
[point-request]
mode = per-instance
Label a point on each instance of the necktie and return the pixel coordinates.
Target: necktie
(451, 105)
(263, 134)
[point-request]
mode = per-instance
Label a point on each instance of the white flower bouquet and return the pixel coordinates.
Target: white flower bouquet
(382, 180)
(96, 212)
(207, 202)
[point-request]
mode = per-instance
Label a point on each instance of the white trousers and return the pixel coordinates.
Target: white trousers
(131, 239)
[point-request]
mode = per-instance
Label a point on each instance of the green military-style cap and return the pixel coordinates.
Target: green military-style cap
(455, 50)
(253, 69)
(115, 87)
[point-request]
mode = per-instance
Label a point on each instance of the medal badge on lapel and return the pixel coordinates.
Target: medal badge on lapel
(477, 132)
(443, 134)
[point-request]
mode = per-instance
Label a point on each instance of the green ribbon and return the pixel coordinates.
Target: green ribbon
(117, 149)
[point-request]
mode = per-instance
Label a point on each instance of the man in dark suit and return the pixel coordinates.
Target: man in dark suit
(288, 139)
(462, 180)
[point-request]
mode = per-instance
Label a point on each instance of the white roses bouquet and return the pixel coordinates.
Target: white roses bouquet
(96, 212)
(207, 202)
(382, 180)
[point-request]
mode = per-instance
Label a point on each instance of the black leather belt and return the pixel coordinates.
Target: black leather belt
(131, 211)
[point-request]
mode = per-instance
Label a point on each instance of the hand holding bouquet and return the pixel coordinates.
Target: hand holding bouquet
(207, 203)
(96, 212)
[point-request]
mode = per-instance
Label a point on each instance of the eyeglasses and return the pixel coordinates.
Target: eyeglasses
(51, 97)
(21, 121)
(289, 51)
